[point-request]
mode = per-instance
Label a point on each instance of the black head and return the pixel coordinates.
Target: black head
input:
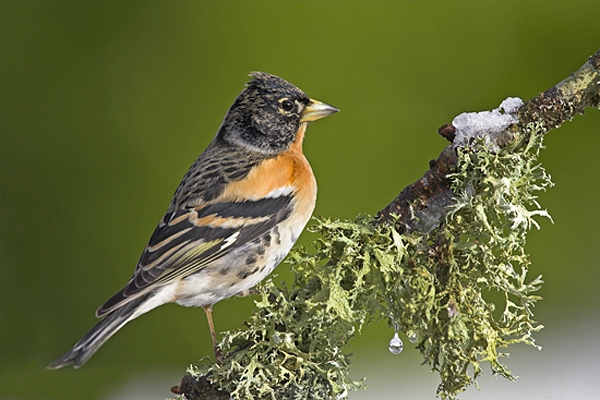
(266, 116)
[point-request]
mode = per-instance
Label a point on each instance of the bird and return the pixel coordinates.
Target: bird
(233, 218)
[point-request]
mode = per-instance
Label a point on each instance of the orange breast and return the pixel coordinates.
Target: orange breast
(288, 170)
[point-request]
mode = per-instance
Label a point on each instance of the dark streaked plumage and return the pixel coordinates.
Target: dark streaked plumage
(233, 218)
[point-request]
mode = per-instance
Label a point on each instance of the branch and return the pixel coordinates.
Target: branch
(426, 263)
(422, 205)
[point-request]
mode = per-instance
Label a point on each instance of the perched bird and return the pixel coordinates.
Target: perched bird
(234, 217)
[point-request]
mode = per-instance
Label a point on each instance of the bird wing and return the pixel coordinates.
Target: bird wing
(187, 241)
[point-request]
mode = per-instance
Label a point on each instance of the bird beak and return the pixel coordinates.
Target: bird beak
(316, 110)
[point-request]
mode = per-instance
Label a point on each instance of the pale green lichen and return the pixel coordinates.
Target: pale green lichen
(462, 289)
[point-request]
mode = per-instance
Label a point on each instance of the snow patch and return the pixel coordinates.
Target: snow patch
(486, 124)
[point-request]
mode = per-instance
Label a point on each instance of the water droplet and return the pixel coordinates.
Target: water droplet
(413, 336)
(396, 344)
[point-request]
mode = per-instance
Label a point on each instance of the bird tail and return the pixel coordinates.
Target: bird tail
(85, 348)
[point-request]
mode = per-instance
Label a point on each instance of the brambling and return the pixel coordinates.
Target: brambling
(234, 217)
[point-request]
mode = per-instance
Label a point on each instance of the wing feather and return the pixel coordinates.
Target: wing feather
(188, 240)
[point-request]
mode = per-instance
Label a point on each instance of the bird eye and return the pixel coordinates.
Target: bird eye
(287, 105)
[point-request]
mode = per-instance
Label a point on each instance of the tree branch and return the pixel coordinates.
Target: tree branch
(422, 205)
(425, 263)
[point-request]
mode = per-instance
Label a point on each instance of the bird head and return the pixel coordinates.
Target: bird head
(268, 114)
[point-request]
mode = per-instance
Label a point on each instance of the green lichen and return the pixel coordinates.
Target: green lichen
(462, 288)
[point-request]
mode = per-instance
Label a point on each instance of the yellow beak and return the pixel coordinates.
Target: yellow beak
(316, 110)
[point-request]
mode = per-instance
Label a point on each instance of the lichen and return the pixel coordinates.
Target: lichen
(462, 289)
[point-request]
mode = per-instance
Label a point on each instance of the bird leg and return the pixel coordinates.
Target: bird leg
(211, 327)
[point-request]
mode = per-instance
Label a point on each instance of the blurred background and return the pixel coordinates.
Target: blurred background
(105, 105)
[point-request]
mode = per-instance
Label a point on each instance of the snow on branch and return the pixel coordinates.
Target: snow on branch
(421, 205)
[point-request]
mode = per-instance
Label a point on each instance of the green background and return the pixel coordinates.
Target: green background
(104, 105)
